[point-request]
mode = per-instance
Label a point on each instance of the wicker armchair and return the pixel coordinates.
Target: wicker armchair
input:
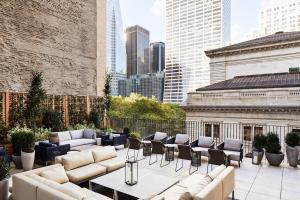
(233, 148)
(158, 148)
(204, 143)
(135, 145)
(179, 139)
(158, 136)
(184, 153)
(216, 157)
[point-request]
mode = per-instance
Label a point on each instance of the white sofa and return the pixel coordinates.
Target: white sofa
(49, 183)
(85, 165)
(76, 137)
(216, 185)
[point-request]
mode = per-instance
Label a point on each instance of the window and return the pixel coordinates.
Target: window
(207, 130)
(217, 130)
(247, 133)
(258, 130)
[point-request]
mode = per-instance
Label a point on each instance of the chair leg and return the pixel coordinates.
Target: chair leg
(152, 162)
(161, 161)
(127, 155)
(232, 195)
(191, 168)
(207, 168)
(176, 170)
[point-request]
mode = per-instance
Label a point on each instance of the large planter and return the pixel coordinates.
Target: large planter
(4, 189)
(17, 161)
(274, 159)
(292, 155)
(257, 156)
(27, 160)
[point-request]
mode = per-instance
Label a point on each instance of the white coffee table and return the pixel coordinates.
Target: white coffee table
(149, 184)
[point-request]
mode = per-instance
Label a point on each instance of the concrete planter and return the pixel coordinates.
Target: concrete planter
(274, 159)
(4, 189)
(17, 161)
(27, 160)
(292, 155)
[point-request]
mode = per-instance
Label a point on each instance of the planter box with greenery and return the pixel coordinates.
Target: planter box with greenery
(292, 140)
(273, 147)
(258, 151)
(4, 183)
(27, 152)
(16, 140)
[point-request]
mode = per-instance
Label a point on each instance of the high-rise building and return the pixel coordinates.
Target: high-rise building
(278, 15)
(138, 50)
(148, 85)
(115, 44)
(157, 57)
(191, 28)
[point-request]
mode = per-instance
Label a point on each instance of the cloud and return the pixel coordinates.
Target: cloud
(158, 8)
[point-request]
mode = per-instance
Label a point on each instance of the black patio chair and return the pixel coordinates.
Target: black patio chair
(135, 145)
(158, 148)
(216, 157)
(184, 153)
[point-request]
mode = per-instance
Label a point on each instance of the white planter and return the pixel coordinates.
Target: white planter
(4, 189)
(27, 160)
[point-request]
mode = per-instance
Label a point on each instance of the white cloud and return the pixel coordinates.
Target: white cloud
(158, 8)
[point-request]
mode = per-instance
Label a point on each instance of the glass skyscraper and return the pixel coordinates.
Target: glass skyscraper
(157, 57)
(115, 43)
(138, 50)
(191, 28)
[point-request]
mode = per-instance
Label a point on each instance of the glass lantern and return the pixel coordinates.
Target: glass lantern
(257, 156)
(131, 172)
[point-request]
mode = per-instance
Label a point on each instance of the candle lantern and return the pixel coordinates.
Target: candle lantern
(131, 172)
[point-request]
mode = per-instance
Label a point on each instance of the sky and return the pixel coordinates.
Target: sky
(150, 14)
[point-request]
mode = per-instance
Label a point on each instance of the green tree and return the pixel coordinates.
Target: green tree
(34, 103)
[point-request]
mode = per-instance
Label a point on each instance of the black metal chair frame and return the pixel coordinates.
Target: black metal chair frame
(135, 147)
(223, 159)
(185, 153)
(158, 148)
(221, 147)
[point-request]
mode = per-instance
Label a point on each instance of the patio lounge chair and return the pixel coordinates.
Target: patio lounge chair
(135, 145)
(158, 148)
(114, 139)
(204, 143)
(216, 157)
(4, 155)
(184, 153)
(179, 139)
(233, 148)
(46, 152)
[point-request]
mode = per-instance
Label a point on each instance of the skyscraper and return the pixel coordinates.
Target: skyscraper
(157, 57)
(278, 15)
(115, 44)
(137, 48)
(191, 28)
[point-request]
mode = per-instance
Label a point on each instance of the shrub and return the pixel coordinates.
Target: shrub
(259, 142)
(17, 138)
(4, 169)
(82, 126)
(126, 131)
(272, 143)
(292, 139)
(53, 120)
(4, 137)
(42, 134)
(135, 135)
(95, 118)
(28, 140)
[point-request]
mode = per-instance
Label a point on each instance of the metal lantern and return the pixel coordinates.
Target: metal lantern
(131, 172)
(169, 155)
(254, 157)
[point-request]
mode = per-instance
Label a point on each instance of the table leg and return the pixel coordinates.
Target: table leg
(90, 186)
(116, 197)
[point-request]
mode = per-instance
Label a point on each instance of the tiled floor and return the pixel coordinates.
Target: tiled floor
(252, 182)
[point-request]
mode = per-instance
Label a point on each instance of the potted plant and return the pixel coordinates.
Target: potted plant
(292, 140)
(273, 147)
(4, 174)
(16, 140)
(258, 151)
(135, 135)
(27, 152)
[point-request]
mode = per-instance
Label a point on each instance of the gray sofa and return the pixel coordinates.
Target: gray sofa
(76, 137)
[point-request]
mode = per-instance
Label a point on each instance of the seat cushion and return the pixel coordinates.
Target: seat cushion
(64, 136)
(104, 154)
(73, 186)
(214, 173)
(76, 134)
(173, 193)
(159, 136)
(204, 150)
(76, 160)
(192, 180)
(78, 142)
(57, 174)
(44, 181)
(232, 144)
(86, 172)
(181, 138)
(205, 141)
(47, 193)
(93, 195)
(234, 155)
(113, 164)
(89, 134)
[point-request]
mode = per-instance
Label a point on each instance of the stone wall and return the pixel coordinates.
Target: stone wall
(56, 37)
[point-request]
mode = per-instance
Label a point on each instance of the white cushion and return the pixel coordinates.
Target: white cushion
(76, 134)
(234, 155)
(173, 193)
(104, 154)
(232, 144)
(64, 136)
(86, 172)
(57, 174)
(44, 181)
(214, 173)
(89, 134)
(191, 180)
(79, 142)
(181, 138)
(113, 164)
(159, 136)
(70, 192)
(76, 160)
(205, 141)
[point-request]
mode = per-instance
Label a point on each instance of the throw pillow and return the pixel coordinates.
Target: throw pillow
(181, 138)
(232, 144)
(76, 160)
(44, 181)
(89, 134)
(76, 134)
(57, 174)
(159, 136)
(53, 138)
(205, 141)
(64, 136)
(104, 154)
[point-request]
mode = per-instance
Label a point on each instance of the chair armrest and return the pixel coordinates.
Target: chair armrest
(221, 146)
(104, 137)
(164, 140)
(212, 146)
(150, 137)
(195, 143)
(171, 140)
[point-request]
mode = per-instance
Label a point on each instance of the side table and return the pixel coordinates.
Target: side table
(99, 141)
(170, 150)
(196, 157)
(146, 147)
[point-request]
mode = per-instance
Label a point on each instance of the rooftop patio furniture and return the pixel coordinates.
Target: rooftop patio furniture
(216, 157)
(135, 145)
(46, 152)
(158, 136)
(49, 183)
(114, 139)
(203, 144)
(216, 185)
(82, 166)
(184, 153)
(75, 137)
(4, 155)
(158, 148)
(179, 139)
(233, 148)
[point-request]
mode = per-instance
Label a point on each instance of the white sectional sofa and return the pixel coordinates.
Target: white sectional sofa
(49, 183)
(76, 137)
(85, 165)
(216, 185)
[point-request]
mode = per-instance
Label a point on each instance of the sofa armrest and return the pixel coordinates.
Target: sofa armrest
(171, 140)
(228, 181)
(194, 143)
(221, 146)
(212, 146)
(213, 191)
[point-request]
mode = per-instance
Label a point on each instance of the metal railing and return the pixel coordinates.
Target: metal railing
(218, 130)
